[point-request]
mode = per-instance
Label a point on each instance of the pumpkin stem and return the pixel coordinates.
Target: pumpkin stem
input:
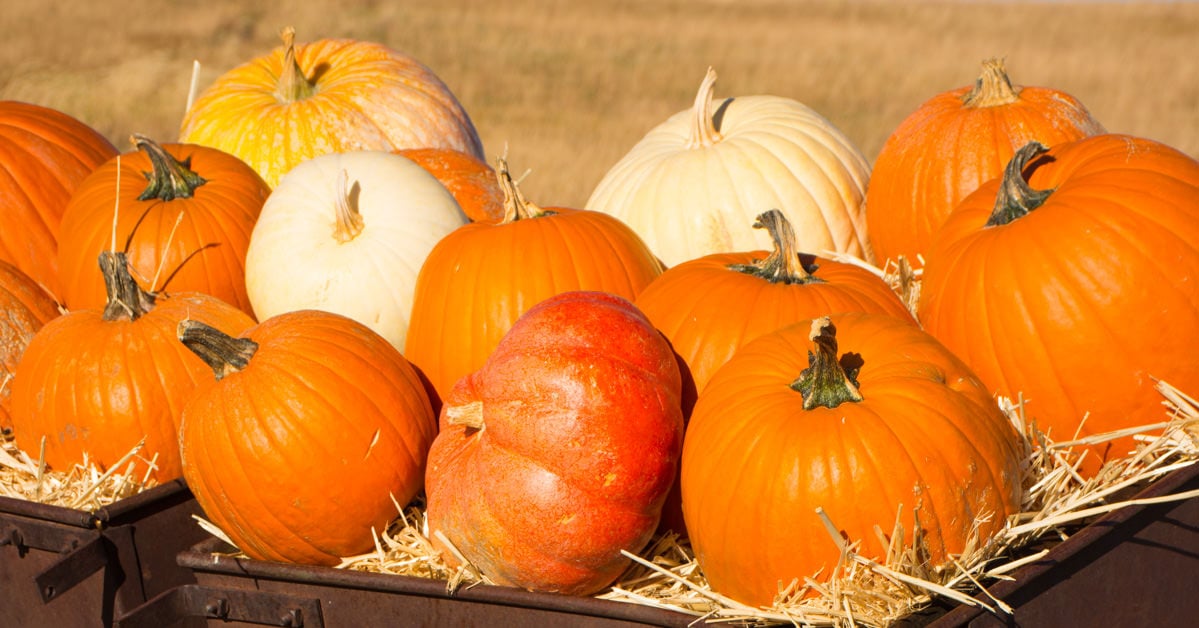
(828, 382)
(703, 122)
(293, 85)
(993, 87)
(349, 220)
(516, 206)
(169, 178)
(220, 351)
(470, 415)
(784, 264)
(1016, 198)
(126, 300)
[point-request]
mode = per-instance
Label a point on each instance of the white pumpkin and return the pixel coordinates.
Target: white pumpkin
(695, 183)
(347, 233)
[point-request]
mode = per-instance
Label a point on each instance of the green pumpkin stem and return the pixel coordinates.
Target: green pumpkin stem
(828, 382)
(220, 351)
(1016, 199)
(993, 87)
(169, 178)
(516, 206)
(127, 301)
(349, 222)
(293, 85)
(784, 264)
(703, 120)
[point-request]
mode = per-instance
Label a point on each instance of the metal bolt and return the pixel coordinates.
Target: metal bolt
(293, 619)
(218, 608)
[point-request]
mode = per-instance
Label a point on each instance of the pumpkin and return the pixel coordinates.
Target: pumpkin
(710, 306)
(894, 432)
(25, 306)
(693, 185)
(327, 96)
(311, 427)
(558, 453)
(1070, 282)
(95, 382)
(184, 214)
(479, 279)
(347, 233)
(472, 182)
(44, 155)
(950, 145)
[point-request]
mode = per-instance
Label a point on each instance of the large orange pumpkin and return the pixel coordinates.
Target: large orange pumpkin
(327, 96)
(481, 277)
(558, 453)
(95, 382)
(895, 429)
(25, 307)
(313, 425)
(1072, 281)
(953, 143)
(184, 215)
(44, 155)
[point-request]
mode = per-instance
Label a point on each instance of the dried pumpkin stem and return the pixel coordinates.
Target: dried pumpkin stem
(784, 264)
(828, 382)
(470, 415)
(703, 120)
(220, 351)
(1016, 198)
(349, 220)
(516, 206)
(993, 87)
(169, 178)
(293, 85)
(126, 300)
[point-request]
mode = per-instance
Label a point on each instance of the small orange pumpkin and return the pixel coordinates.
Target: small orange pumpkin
(25, 307)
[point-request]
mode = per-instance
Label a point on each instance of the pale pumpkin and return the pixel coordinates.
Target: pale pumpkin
(347, 233)
(694, 184)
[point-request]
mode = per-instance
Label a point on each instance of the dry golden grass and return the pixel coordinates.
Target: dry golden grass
(568, 87)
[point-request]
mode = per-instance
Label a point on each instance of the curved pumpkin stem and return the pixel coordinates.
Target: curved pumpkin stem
(993, 87)
(349, 220)
(1016, 198)
(784, 264)
(293, 85)
(703, 122)
(220, 351)
(516, 206)
(126, 300)
(169, 178)
(828, 382)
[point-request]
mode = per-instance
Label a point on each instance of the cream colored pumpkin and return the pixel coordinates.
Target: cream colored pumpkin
(694, 184)
(347, 233)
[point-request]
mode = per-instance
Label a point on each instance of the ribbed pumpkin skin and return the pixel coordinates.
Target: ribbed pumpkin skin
(44, 155)
(222, 211)
(756, 465)
(471, 181)
(480, 278)
(98, 387)
(580, 437)
(25, 306)
(297, 455)
(368, 97)
(946, 148)
(1082, 303)
(689, 195)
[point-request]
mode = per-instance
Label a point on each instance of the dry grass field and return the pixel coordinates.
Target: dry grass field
(569, 86)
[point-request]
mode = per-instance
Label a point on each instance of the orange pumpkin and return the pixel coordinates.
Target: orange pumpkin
(481, 277)
(44, 155)
(184, 215)
(558, 453)
(469, 179)
(313, 425)
(25, 307)
(895, 429)
(327, 96)
(1072, 281)
(95, 382)
(953, 143)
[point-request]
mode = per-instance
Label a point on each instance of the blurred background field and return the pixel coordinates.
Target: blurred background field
(568, 87)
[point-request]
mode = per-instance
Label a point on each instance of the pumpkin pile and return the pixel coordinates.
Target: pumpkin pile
(322, 304)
